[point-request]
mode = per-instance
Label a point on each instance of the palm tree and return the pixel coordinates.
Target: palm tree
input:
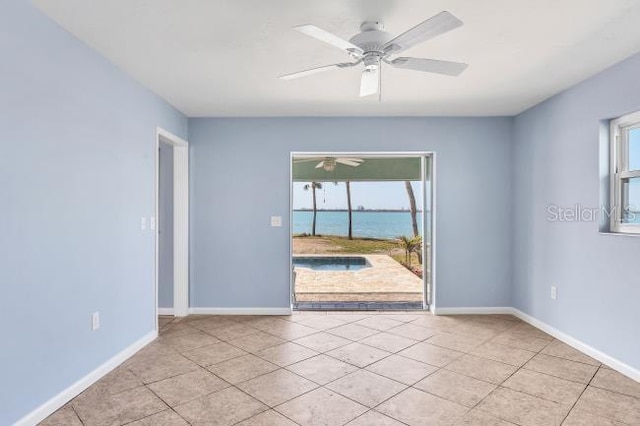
(313, 186)
(414, 219)
(410, 245)
(348, 184)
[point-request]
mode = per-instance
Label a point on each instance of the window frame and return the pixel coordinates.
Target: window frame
(619, 170)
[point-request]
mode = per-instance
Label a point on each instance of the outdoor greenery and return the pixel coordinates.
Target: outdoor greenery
(329, 244)
(405, 250)
(414, 219)
(410, 245)
(356, 245)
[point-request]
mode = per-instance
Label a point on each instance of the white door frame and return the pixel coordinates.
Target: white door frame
(180, 221)
(429, 280)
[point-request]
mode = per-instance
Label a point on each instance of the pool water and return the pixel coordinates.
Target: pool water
(331, 263)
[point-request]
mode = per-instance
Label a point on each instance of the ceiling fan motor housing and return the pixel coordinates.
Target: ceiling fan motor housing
(371, 40)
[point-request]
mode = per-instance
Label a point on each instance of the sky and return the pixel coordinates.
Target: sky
(393, 195)
(634, 164)
(634, 149)
(370, 195)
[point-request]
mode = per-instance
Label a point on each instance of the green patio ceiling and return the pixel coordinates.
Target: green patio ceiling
(371, 169)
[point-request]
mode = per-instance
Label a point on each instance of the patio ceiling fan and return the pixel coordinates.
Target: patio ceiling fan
(329, 163)
(372, 47)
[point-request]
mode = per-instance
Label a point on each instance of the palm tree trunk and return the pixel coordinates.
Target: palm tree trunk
(350, 210)
(315, 209)
(414, 218)
(412, 206)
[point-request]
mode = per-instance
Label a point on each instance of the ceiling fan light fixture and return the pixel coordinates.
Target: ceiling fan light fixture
(371, 61)
(329, 165)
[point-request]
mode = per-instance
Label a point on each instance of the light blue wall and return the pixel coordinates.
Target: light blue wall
(240, 177)
(165, 227)
(556, 162)
(77, 173)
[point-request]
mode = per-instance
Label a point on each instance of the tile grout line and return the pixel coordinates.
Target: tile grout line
(266, 411)
(501, 385)
(581, 393)
(613, 391)
(151, 414)
(406, 387)
(497, 386)
(567, 359)
(75, 412)
(279, 368)
(169, 406)
(319, 386)
(397, 352)
(417, 322)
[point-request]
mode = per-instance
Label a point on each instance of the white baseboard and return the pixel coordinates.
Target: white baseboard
(473, 311)
(614, 363)
(165, 311)
(240, 311)
(49, 407)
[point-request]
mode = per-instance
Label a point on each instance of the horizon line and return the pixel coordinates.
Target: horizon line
(309, 209)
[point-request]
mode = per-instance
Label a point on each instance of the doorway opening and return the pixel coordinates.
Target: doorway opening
(361, 231)
(172, 225)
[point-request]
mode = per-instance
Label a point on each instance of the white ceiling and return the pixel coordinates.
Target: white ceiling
(222, 57)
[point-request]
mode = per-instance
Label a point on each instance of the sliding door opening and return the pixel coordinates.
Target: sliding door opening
(361, 231)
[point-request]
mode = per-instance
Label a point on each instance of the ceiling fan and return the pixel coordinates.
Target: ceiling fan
(373, 46)
(329, 163)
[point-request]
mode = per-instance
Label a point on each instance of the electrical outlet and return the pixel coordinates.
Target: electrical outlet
(143, 223)
(554, 292)
(95, 321)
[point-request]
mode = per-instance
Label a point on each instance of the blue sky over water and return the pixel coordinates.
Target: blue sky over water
(393, 195)
(370, 195)
(634, 164)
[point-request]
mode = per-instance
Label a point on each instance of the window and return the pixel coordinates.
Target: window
(625, 174)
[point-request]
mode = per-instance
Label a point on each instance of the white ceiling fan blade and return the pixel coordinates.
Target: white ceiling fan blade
(320, 164)
(313, 71)
(369, 84)
(354, 160)
(430, 65)
(327, 37)
(306, 160)
(439, 24)
(347, 162)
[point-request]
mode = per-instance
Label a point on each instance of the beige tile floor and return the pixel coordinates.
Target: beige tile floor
(360, 369)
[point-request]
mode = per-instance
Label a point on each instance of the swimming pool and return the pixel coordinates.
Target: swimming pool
(331, 263)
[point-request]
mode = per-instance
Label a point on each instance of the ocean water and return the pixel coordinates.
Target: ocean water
(370, 224)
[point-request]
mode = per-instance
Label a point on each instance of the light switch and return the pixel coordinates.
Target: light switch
(143, 223)
(276, 221)
(152, 223)
(95, 321)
